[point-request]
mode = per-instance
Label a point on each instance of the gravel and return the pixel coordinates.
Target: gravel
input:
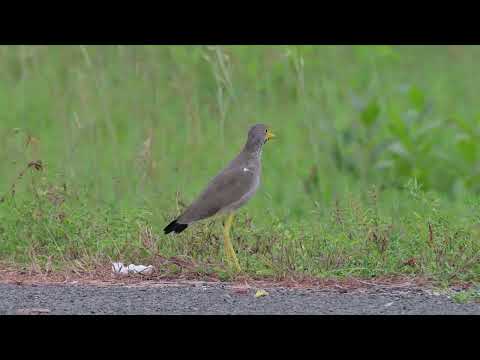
(220, 299)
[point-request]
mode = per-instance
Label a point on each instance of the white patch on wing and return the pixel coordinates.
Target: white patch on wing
(246, 169)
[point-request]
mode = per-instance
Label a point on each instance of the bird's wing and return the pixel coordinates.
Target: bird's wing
(225, 189)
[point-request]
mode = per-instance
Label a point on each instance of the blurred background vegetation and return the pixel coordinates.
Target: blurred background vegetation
(130, 127)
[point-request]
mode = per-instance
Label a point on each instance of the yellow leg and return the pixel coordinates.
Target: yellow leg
(229, 252)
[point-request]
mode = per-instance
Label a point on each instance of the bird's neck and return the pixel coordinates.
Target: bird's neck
(253, 160)
(253, 153)
(248, 158)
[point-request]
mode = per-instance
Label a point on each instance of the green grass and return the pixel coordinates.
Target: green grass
(467, 296)
(375, 169)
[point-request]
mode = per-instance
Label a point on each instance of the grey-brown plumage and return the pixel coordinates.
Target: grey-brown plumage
(232, 187)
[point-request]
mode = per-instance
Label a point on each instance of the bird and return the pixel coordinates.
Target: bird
(232, 188)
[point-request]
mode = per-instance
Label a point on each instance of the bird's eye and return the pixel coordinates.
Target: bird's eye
(266, 130)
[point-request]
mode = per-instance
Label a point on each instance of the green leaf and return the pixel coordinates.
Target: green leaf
(417, 98)
(397, 126)
(467, 147)
(370, 113)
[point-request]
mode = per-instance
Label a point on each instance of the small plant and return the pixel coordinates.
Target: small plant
(467, 296)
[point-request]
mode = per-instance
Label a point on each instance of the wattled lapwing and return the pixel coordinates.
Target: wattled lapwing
(229, 190)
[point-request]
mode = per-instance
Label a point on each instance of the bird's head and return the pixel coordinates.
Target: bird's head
(258, 135)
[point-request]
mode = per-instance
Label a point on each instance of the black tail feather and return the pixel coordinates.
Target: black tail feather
(175, 226)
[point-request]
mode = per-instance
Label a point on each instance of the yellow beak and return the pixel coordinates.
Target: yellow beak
(269, 135)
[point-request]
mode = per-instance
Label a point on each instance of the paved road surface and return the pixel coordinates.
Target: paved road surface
(221, 299)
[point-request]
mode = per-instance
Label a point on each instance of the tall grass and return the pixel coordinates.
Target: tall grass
(127, 135)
